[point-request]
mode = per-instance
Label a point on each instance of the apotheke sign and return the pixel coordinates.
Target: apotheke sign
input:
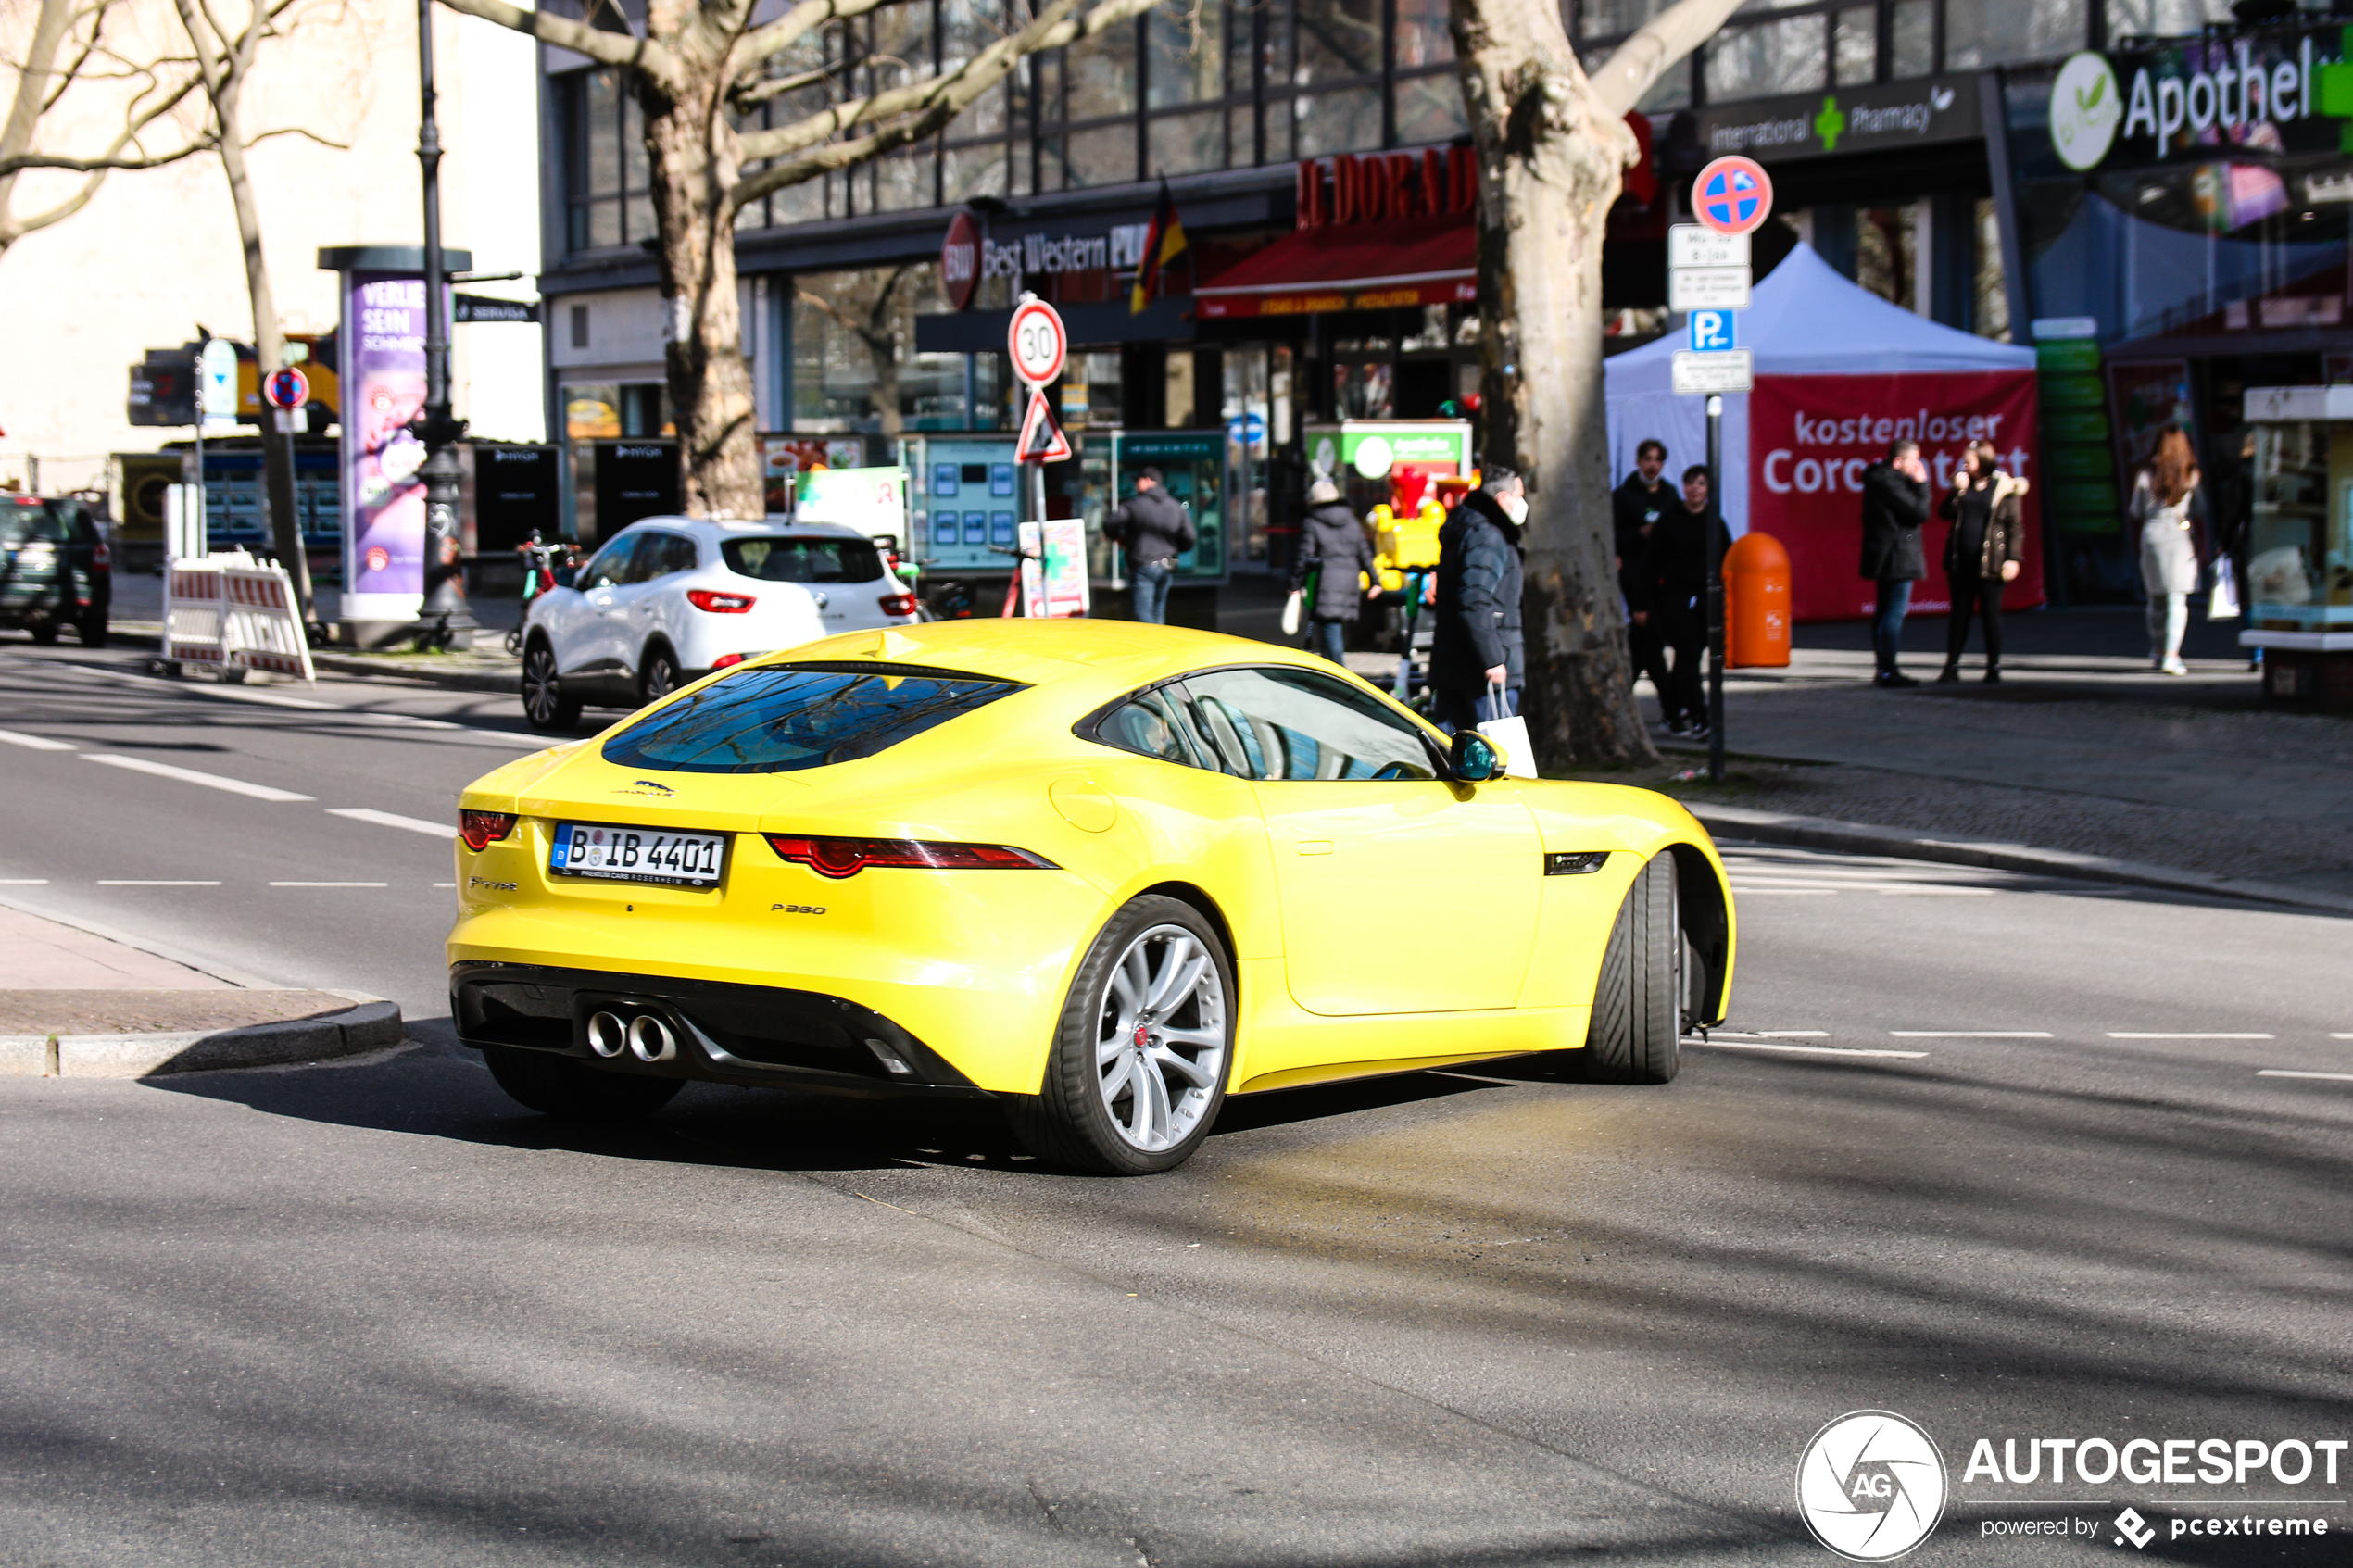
(2268, 94)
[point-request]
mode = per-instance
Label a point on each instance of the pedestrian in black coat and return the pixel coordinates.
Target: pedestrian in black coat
(1895, 502)
(1155, 527)
(1334, 544)
(1475, 640)
(1635, 507)
(1676, 596)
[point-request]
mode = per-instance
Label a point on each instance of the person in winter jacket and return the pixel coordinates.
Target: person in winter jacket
(1156, 530)
(1333, 545)
(1895, 502)
(1640, 500)
(1675, 598)
(1475, 637)
(1984, 551)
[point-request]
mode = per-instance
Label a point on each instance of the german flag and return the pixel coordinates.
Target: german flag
(1163, 243)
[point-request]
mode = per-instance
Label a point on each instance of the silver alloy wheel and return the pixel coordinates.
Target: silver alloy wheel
(660, 675)
(1160, 1044)
(540, 690)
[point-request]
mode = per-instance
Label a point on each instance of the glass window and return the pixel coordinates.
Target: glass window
(1181, 144)
(1913, 39)
(1274, 724)
(1102, 157)
(1186, 50)
(2163, 19)
(1430, 108)
(32, 523)
(1338, 122)
(1422, 38)
(1756, 62)
(1615, 19)
(611, 568)
(780, 560)
(1992, 33)
(976, 170)
(783, 717)
(1855, 46)
(1338, 39)
(1156, 724)
(660, 555)
(1101, 76)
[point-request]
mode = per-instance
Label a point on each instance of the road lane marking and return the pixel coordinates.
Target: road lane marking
(2284, 1072)
(2126, 1035)
(2341, 1034)
(1931, 890)
(330, 884)
(150, 882)
(391, 819)
(1804, 1050)
(1793, 1034)
(35, 743)
(189, 775)
(1781, 892)
(24, 882)
(1971, 1033)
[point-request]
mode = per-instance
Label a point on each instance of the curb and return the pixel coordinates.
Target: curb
(1824, 832)
(371, 1025)
(140, 634)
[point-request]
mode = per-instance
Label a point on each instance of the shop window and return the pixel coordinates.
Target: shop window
(1183, 143)
(1363, 392)
(1772, 57)
(853, 361)
(1338, 123)
(645, 409)
(1992, 33)
(1337, 40)
(1855, 46)
(1430, 108)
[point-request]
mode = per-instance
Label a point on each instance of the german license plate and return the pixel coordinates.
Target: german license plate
(607, 852)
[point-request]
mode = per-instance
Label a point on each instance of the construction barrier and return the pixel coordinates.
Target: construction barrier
(228, 609)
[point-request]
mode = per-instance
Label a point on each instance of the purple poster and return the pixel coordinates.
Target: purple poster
(383, 386)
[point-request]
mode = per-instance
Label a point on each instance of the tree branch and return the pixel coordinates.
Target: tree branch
(760, 43)
(606, 48)
(777, 86)
(1637, 64)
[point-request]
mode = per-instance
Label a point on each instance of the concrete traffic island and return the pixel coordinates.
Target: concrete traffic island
(76, 1004)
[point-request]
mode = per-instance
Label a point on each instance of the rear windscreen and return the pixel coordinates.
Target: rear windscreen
(779, 719)
(33, 522)
(804, 560)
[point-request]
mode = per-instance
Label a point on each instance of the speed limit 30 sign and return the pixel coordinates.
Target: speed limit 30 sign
(1037, 342)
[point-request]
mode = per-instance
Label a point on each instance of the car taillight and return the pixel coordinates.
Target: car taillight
(897, 604)
(483, 828)
(847, 857)
(718, 603)
(726, 660)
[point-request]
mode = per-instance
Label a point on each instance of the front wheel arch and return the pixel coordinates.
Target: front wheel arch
(1708, 925)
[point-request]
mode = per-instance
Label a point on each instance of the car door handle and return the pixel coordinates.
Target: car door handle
(1314, 846)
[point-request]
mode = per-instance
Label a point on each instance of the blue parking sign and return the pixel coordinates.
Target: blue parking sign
(1713, 331)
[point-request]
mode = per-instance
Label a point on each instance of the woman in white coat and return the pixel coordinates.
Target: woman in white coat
(2162, 496)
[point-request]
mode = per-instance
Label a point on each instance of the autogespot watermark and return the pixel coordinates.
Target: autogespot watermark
(1872, 1486)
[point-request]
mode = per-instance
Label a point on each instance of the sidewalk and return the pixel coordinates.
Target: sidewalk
(74, 1003)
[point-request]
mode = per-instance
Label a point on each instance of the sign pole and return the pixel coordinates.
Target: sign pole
(1714, 595)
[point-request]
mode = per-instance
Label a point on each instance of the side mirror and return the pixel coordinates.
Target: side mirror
(1474, 758)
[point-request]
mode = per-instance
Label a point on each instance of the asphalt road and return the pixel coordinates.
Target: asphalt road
(2014, 1158)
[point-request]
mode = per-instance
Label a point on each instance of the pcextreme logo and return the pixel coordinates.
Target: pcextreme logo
(1871, 1486)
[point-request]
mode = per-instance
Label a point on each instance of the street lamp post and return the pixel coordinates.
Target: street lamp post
(443, 619)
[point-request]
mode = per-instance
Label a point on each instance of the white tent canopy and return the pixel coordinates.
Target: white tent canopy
(1804, 321)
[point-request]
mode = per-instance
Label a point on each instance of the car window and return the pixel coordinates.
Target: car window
(783, 717)
(611, 565)
(1276, 724)
(1156, 724)
(659, 554)
(779, 560)
(29, 523)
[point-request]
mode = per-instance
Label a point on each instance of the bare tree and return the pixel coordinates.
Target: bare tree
(71, 67)
(1553, 148)
(700, 66)
(225, 48)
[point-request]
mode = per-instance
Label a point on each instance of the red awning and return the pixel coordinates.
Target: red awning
(1359, 266)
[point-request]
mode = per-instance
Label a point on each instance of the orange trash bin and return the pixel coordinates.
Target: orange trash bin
(1757, 589)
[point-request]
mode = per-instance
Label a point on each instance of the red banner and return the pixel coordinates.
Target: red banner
(1811, 437)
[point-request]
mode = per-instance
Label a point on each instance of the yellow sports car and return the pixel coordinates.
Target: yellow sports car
(1105, 873)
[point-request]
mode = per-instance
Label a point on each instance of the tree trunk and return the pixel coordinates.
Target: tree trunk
(692, 146)
(269, 354)
(1551, 159)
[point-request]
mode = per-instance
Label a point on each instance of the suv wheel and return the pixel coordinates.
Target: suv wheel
(657, 673)
(545, 706)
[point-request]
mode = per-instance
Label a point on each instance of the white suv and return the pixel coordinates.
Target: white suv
(670, 599)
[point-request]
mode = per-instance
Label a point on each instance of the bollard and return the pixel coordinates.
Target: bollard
(1757, 589)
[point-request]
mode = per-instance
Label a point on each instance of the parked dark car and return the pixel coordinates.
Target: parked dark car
(54, 569)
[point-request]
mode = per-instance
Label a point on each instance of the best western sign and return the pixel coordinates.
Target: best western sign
(2272, 92)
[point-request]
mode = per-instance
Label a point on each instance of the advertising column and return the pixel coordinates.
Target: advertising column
(383, 513)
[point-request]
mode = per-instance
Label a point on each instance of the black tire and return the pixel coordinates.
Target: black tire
(45, 632)
(574, 1091)
(1636, 1035)
(657, 673)
(1070, 1121)
(93, 631)
(545, 706)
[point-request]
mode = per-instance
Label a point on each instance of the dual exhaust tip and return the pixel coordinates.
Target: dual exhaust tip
(645, 1037)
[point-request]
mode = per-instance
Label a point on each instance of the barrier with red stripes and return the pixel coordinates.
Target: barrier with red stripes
(230, 610)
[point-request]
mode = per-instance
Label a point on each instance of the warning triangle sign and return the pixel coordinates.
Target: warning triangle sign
(1041, 439)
